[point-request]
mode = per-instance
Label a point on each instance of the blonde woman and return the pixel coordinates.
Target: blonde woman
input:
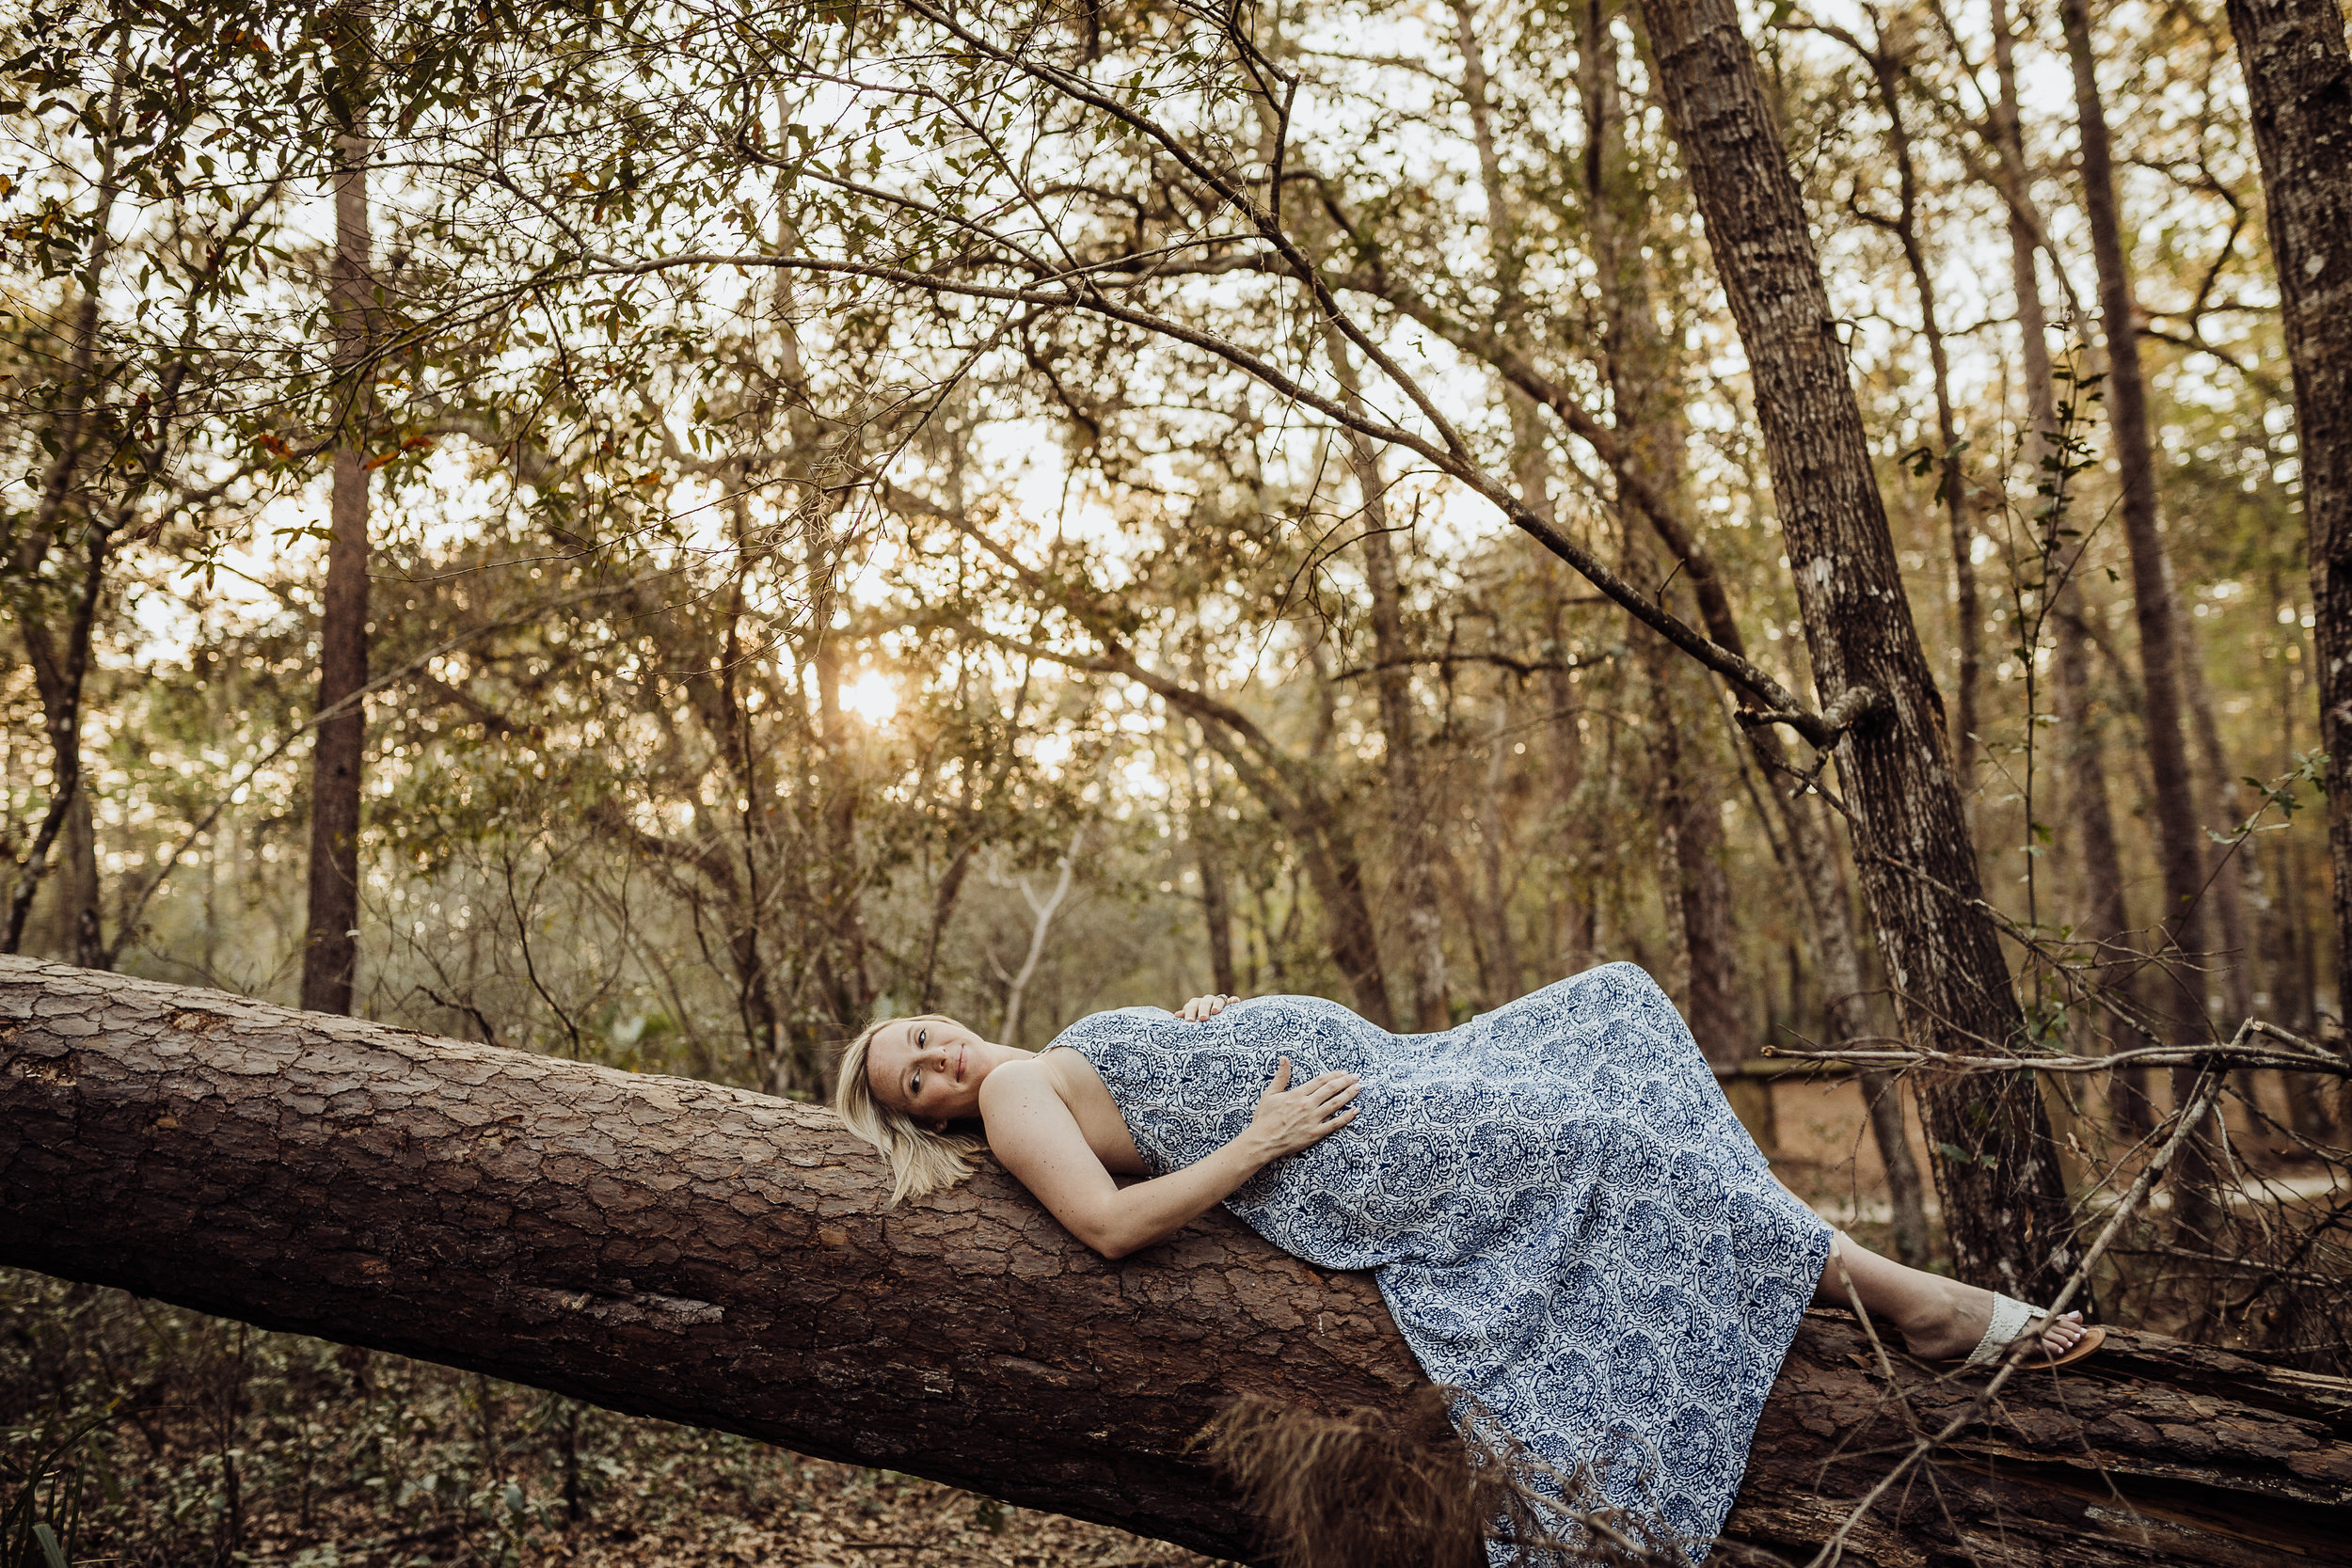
(1563, 1213)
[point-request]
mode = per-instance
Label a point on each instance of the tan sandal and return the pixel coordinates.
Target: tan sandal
(2013, 1320)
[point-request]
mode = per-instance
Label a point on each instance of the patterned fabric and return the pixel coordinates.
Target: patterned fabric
(1560, 1208)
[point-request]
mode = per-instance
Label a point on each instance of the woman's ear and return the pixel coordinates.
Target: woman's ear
(939, 1127)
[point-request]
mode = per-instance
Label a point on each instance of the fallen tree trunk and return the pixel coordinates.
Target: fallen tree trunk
(710, 1256)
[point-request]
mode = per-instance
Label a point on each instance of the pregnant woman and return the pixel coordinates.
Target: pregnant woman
(1562, 1214)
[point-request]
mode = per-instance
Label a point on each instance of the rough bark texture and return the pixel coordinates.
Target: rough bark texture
(2298, 85)
(330, 950)
(2006, 1215)
(712, 1256)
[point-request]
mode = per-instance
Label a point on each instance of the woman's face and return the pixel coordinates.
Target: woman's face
(929, 1068)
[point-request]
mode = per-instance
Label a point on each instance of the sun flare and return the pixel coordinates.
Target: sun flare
(871, 697)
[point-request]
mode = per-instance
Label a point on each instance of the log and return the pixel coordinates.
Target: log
(706, 1255)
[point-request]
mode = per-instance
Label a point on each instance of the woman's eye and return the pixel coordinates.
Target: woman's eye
(917, 1088)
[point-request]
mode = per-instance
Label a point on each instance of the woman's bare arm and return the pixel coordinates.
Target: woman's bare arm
(1032, 1131)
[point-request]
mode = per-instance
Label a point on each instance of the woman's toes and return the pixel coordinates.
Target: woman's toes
(2062, 1335)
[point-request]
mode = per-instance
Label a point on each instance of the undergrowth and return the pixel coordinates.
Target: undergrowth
(138, 1435)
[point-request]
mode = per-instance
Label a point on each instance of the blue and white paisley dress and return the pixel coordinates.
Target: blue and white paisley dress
(1562, 1212)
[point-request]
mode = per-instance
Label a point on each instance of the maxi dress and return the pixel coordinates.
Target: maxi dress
(1561, 1211)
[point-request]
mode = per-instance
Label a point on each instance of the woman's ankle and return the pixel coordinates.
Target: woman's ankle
(1929, 1324)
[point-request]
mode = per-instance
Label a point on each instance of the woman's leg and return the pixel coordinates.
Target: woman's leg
(1938, 1317)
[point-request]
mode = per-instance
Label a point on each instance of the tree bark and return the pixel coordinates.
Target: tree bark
(2153, 607)
(1967, 611)
(1414, 844)
(61, 674)
(1217, 914)
(708, 1255)
(1502, 954)
(1691, 876)
(2298, 85)
(2005, 1202)
(1828, 915)
(2083, 767)
(2176, 988)
(2227, 865)
(2103, 919)
(1641, 366)
(330, 949)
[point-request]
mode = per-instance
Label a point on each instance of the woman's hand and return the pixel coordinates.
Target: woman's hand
(1201, 1008)
(1288, 1119)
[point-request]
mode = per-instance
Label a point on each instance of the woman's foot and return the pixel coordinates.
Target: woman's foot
(1953, 1327)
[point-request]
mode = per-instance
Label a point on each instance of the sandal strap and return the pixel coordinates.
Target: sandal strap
(2012, 1318)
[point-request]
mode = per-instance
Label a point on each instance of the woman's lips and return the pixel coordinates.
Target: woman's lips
(961, 1052)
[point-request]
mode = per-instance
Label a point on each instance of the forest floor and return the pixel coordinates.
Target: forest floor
(210, 1444)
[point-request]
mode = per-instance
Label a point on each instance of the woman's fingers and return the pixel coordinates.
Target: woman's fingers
(1332, 1123)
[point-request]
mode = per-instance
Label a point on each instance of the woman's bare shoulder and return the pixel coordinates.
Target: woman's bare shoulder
(1013, 1079)
(1066, 1073)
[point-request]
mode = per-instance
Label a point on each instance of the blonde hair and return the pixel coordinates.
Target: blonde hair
(921, 1161)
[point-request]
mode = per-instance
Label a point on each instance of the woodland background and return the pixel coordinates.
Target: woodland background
(582, 526)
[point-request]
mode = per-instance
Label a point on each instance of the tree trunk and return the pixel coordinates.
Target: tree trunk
(708, 1255)
(1217, 914)
(61, 674)
(331, 948)
(2153, 607)
(1691, 876)
(2102, 918)
(2177, 988)
(2298, 86)
(1326, 849)
(1953, 487)
(1502, 954)
(2289, 957)
(2082, 761)
(1413, 844)
(2227, 865)
(2005, 1202)
(1643, 368)
(1572, 899)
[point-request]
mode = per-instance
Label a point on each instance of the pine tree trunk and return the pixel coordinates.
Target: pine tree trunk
(1504, 980)
(2175, 988)
(707, 1255)
(2005, 1201)
(2298, 86)
(330, 947)
(1413, 842)
(1952, 484)
(2154, 610)
(2102, 918)
(2082, 762)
